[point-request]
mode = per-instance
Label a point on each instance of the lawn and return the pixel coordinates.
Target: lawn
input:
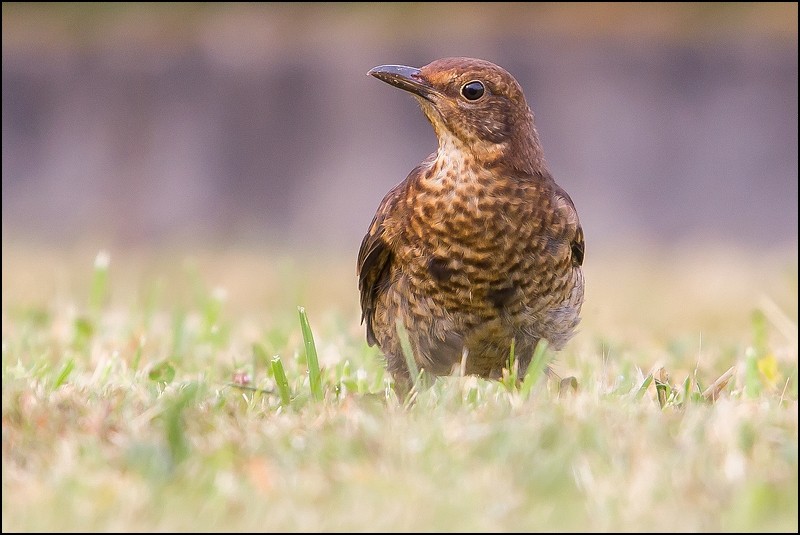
(175, 390)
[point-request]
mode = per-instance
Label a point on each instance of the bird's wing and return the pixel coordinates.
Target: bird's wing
(577, 246)
(375, 260)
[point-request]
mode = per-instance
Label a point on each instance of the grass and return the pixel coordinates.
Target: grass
(155, 394)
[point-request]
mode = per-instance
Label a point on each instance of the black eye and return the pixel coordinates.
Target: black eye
(472, 90)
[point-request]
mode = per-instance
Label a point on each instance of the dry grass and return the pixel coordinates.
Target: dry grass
(145, 397)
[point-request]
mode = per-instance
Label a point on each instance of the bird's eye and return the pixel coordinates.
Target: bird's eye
(472, 90)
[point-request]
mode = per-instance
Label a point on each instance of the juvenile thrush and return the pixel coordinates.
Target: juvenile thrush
(478, 246)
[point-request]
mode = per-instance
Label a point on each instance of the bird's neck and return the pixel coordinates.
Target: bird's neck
(455, 169)
(522, 155)
(453, 153)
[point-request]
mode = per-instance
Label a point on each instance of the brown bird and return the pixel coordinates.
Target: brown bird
(478, 246)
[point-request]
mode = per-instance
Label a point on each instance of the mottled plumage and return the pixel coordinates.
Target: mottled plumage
(478, 246)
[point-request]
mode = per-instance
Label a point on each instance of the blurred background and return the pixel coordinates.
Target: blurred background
(255, 124)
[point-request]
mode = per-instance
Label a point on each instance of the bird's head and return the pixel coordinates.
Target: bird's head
(474, 106)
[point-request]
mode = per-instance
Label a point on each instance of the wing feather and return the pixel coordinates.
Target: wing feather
(375, 260)
(577, 245)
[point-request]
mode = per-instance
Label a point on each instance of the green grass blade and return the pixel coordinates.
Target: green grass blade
(513, 367)
(645, 385)
(663, 391)
(137, 356)
(175, 423)
(687, 390)
(405, 345)
(280, 379)
(420, 377)
(84, 330)
(536, 369)
(65, 371)
(314, 375)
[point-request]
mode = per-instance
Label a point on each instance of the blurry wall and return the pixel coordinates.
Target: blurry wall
(256, 123)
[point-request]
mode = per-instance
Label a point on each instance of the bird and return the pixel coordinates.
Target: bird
(478, 250)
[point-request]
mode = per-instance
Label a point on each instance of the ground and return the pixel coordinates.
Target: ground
(141, 392)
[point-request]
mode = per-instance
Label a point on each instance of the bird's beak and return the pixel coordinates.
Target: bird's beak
(405, 78)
